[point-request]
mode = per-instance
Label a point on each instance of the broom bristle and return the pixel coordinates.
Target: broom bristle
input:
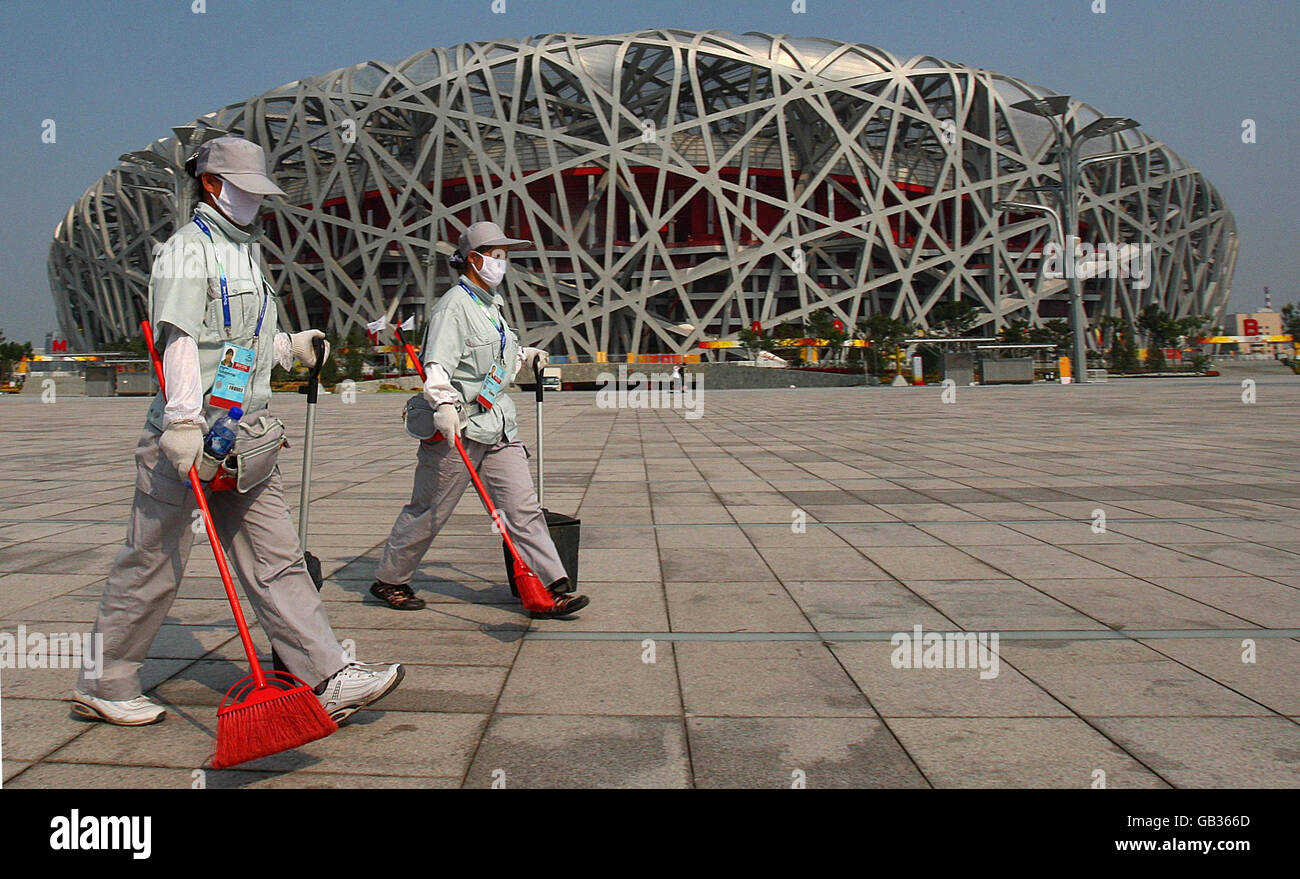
(261, 726)
(534, 596)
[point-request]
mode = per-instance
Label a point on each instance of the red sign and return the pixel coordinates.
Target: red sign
(1249, 327)
(59, 346)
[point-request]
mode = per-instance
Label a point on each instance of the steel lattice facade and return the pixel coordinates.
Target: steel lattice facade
(678, 185)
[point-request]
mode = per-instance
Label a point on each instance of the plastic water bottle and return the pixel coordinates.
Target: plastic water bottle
(221, 438)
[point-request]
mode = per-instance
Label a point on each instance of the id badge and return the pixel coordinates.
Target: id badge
(492, 385)
(234, 372)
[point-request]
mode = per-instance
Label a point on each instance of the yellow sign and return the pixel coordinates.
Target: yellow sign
(790, 343)
(1228, 340)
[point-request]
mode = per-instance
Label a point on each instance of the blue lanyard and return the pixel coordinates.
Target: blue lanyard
(225, 292)
(500, 328)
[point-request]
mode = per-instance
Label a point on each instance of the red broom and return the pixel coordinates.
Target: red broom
(262, 714)
(535, 597)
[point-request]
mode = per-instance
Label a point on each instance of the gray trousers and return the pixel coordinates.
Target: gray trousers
(262, 547)
(441, 479)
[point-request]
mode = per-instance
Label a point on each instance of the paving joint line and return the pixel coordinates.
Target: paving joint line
(886, 635)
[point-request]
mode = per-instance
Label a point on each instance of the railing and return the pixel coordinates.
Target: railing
(562, 359)
(1231, 357)
(555, 359)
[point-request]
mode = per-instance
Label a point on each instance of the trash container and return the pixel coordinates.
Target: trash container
(565, 532)
(101, 381)
(1006, 370)
(960, 367)
(135, 384)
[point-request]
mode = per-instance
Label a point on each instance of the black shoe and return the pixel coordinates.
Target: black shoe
(564, 606)
(396, 596)
(561, 586)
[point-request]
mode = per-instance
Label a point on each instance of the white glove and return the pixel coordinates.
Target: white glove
(447, 420)
(534, 358)
(182, 443)
(300, 344)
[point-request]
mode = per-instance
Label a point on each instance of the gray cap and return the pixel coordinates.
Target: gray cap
(240, 161)
(485, 236)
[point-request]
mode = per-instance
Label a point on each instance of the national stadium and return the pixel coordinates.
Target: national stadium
(678, 186)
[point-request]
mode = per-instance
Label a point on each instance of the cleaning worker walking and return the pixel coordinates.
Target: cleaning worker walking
(215, 324)
(471, 355)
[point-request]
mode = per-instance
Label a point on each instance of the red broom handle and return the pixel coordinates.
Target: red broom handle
(487, 502)
(473, 474)
(259, 677)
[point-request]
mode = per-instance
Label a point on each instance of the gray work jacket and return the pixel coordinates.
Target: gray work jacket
(463, 339)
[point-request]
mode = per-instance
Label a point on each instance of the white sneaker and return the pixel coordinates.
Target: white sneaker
(140, 711)
(357, 685)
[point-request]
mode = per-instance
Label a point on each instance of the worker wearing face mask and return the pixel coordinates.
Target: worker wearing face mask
(214, 319)
(471, 356)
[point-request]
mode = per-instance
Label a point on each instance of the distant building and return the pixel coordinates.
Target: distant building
(676, 187)
(1259, 332)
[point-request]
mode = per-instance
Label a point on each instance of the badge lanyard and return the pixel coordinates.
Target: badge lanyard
(499, 327)
(225, 293)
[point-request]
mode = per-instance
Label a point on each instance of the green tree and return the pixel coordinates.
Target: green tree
(754, 342)
(1291, 327)
(1121, 357)
(1192, 328)
(1053, 332)
(1291, 321)
(330, 372)
(821, 325)
(1123, 352)
(11, 353)
(1110, 326)
(951, 320)
(354, 359)
(133, 345)
(885, 334)
(782, 332)
(1160, 330)
(1015, 331)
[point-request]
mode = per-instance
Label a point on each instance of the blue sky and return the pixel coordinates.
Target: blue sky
(116, 75)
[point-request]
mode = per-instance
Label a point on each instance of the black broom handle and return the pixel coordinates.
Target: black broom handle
(541, 452)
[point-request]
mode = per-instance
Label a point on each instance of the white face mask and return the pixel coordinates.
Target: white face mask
(492, 271)
(241, 207)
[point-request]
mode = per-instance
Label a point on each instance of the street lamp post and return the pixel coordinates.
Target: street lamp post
(189, 138)
(1031, 207)
(151, 163)
(1068, 144)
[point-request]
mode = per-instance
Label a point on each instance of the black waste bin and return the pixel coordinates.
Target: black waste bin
(565, 532)
(101, 381)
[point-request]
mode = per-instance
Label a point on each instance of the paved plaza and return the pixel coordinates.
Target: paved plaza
(1133, 545)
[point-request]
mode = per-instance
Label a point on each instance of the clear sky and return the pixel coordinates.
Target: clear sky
(117, 74)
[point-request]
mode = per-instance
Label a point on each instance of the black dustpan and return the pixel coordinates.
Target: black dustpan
(565, 530)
